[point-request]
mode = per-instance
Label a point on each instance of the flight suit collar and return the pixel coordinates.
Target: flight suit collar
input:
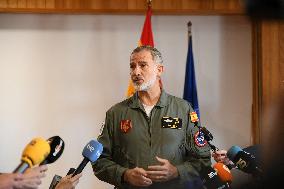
(163, 101)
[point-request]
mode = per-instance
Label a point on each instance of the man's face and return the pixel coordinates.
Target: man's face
(143, 70)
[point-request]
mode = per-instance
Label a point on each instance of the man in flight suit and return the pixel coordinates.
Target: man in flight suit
(150, 139)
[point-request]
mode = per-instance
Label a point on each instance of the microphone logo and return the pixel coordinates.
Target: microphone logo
(58, 148)
(98, 153)
(241, 163)
(212, 174)
(91, 148)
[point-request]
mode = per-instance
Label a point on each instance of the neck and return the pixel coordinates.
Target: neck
(151, 96)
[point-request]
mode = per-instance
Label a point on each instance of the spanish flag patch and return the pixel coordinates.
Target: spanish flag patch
(193, 117)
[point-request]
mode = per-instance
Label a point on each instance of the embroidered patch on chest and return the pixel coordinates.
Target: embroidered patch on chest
(125, 126)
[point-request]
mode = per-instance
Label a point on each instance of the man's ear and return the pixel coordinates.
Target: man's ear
(160, 69)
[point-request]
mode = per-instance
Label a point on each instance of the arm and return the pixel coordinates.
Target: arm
(198, 155)
(105, 168)
(8, 180)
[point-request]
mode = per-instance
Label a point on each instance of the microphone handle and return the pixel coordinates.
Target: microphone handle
(21, 168)
(56, 179)
(81, 167)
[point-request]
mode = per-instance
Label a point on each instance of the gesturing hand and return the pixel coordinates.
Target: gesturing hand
(221, 156)
(137, 177)
(68, 182)
(31, 178)
(163, 172)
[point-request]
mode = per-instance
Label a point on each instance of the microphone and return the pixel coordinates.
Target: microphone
(223, 172)
(34, 153)
(91, 152)
(208, 137)
(211, 179)
(56, 179)
(244, 161)
(56, 149)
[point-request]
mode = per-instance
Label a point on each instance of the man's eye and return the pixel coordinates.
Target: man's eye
(143, 65)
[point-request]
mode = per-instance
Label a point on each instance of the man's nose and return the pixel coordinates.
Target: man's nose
(136, 71)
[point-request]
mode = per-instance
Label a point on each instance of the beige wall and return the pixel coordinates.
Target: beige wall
(60, 73)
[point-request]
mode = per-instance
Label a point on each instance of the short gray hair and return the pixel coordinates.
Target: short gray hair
(156, 55)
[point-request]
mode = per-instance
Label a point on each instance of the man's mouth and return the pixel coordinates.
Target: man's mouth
(138, 80)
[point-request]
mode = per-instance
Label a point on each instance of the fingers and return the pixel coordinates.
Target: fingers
(145, 181)
(140, 171)
(220, 156)
(43, 168)
(36, 172)
(220, 153)
(161, 173)
(163, 161)
(157, 176)
(156, 168)
(76, 177)
(137, 177)
(68, 182)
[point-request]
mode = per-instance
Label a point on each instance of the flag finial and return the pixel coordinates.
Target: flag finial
(149, 2)
(189, 24)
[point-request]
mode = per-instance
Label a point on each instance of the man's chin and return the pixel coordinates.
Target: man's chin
(140, 88)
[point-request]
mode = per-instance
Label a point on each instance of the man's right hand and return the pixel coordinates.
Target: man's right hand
(137, 177)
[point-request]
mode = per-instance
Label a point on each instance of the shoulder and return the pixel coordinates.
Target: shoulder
(181, 103)
(118, 107)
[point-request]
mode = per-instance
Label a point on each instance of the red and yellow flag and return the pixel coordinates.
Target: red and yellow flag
(145, 39)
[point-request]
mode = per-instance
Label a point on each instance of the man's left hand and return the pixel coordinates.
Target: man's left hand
(163, 172)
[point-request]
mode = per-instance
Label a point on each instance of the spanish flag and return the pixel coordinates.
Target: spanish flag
(145, 39)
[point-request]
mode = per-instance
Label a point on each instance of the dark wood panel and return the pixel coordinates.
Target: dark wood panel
(3, 3)
(281, 56)
(12, 4)
(269, 72)
(191, 7)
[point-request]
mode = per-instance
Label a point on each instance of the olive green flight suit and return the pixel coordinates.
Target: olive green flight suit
(132, 139)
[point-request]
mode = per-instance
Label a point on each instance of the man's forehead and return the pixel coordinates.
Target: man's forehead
(141, 55)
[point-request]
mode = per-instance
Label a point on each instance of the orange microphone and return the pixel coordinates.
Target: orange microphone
(223, 172)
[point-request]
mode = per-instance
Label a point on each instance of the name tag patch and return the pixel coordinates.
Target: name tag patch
(172, 123)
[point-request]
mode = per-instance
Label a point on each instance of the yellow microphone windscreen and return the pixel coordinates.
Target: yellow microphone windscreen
(36, 151)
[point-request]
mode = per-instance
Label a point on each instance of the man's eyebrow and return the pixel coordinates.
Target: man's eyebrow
(139, 62)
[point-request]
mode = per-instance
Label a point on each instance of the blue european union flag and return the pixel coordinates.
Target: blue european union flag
(190, 90)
